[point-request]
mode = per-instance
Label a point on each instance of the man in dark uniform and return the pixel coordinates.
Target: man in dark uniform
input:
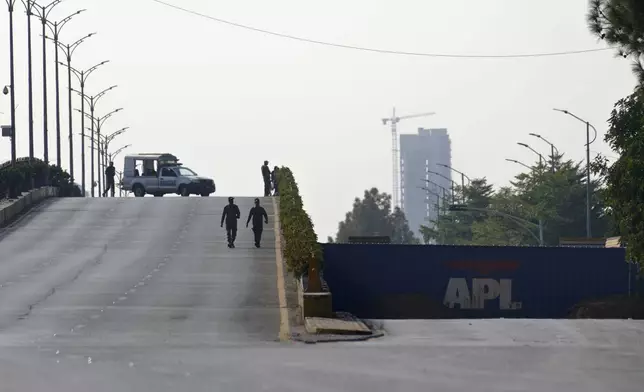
(257, 213)
(110, 172)
(230, 215)
(266, 175)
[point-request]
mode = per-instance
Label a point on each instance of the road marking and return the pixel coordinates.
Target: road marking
(285, 332)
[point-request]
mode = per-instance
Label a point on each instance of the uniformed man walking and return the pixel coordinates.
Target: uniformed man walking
(230, 215)
(110, 173)
(266, 175)
(259, 217)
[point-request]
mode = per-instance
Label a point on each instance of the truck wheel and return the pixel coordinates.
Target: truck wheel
(205, 194)
(183, 191)
(138, 190)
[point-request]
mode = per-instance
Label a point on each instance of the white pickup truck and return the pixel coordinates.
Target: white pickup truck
(162, 174)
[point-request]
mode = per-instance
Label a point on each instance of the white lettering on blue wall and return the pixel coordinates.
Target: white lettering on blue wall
(483, 289)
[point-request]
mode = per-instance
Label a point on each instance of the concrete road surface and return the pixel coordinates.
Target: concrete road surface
(143, 295)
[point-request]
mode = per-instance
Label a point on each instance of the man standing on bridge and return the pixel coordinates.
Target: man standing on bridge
(266, 175)
(231, 214)
(257, 213)
(110, 172)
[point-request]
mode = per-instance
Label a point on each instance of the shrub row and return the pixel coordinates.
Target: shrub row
(19, 178)
(300, 241)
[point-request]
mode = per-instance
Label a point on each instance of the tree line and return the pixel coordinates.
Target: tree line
(551, 195)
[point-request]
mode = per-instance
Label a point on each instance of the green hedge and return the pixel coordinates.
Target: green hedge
(20, 178)
(301, 242)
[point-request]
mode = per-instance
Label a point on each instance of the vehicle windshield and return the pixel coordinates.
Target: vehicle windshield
(184, 171)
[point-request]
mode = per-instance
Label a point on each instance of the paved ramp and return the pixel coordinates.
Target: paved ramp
(143, 295)
(98, 274)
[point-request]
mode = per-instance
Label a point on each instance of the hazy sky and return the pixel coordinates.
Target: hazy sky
(224, 99)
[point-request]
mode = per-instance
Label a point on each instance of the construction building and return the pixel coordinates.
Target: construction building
(421, 154)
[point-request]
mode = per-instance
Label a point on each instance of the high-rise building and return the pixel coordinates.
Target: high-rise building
(421, 154)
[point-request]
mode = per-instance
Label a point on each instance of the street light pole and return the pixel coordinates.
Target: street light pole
(69, 50)
(463, 177)
(10, 5)
(82, 79)
(534, 151)
(540, 219)
(448, 179)
(99, 124)
(588, 143)
(552, 149)
(55, 29)
(29, 6)
(92, 101)
(43, 14)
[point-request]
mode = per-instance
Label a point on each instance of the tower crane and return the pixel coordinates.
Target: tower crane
(396, 152)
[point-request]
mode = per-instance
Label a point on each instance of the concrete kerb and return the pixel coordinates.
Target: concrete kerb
(9, 212)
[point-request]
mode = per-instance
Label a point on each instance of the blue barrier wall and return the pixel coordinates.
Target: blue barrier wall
(412, 281)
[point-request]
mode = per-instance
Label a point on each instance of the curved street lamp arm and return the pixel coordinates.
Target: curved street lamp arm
(100, 95)
(112, 135)
(545, 140)
(595, 130)
(99, 140)
(42, 11)
(459, 172)
(57, 26)
(30, 5)
(92, 69)
(531, 149)
(101, 121)
(445, 177)
(69, 50)
(115, 153)
(435, 184)
(580, 119)
(87, 99)
(519, 163)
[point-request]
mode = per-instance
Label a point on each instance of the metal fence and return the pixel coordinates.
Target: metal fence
(420, 281)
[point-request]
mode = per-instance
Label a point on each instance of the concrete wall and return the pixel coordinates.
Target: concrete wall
(416, 281)
(10, 210)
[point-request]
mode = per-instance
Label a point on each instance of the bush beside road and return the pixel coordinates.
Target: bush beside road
(300, 241)
(26, 176)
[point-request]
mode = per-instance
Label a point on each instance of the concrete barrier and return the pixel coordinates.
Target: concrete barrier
(317, 304)
(10, 211)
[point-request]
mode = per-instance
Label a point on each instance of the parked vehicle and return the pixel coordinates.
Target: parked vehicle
(162, 174)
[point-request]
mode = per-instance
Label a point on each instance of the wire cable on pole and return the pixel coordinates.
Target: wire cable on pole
(376, 50)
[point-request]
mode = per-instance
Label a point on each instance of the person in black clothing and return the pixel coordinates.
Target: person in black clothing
(274, 178)
(257, 213)
(230, 215)
(110, 172)
(266, 175)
